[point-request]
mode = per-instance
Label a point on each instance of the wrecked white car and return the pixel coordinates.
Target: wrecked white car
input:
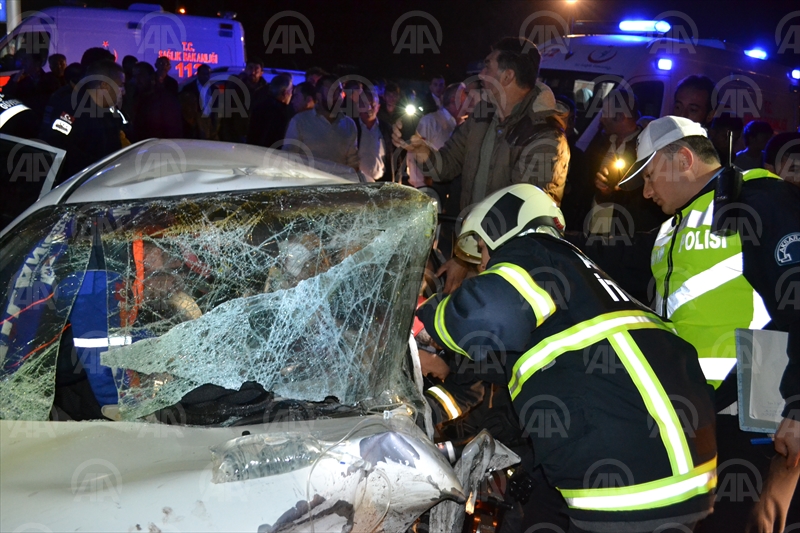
(200, 336)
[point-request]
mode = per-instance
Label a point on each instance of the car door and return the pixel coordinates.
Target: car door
(32, 169)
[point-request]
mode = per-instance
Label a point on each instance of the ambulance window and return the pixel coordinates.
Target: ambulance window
(650, 95)
(583, 89)
(31, 42)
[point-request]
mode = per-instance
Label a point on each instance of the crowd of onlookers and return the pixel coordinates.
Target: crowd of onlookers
(351, 121)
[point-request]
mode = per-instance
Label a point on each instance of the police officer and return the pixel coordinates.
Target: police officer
(540, 339)
(16, 118)
(708, 284)
(92, 127)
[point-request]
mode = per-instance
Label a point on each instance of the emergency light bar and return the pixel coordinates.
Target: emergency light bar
(756, 53)
(664, 64)
(796, 74)
(645, 26)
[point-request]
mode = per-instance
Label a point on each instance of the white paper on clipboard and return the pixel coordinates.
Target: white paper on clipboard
(762, 359)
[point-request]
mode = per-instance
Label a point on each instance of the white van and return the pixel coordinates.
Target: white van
(587, 67)
(143, 30)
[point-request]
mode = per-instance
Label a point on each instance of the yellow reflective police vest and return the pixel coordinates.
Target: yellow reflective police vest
(700, 286)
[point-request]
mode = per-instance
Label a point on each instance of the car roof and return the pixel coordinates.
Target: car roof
(158, 168)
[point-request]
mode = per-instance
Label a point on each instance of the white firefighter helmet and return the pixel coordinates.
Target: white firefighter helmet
(505, 214)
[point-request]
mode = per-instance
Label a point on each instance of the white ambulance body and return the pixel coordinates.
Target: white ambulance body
(144, 30)
(587, 67)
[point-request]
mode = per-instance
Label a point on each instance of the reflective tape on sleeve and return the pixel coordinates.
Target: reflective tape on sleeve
(103, 342)
(10, 113)
(542, 304)
(446, 400)
(578, 337)
(441, 328)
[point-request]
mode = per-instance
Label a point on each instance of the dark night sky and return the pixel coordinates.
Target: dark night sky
(357, 33)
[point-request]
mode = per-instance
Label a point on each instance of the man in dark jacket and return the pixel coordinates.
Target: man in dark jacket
(271, 112)
(591, 372)
(92, 128)
(432, 101)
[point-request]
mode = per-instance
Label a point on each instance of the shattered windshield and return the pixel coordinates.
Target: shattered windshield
(308, 292)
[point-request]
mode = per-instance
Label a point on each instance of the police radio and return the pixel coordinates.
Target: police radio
(728, 188)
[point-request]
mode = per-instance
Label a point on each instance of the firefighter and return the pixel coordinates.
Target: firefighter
(665, 469)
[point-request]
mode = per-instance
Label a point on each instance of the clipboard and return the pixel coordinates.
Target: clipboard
(761, 359)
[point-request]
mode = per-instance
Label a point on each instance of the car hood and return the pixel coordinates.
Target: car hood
(121, 476)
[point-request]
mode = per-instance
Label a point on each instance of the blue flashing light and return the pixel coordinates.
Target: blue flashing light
(644, 26)
(796, 74)
(662, 26)
(756, 53)
(664, 64)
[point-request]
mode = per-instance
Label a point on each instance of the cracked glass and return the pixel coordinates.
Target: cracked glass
(308, 292)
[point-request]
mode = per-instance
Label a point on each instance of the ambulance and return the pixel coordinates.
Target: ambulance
(650, 60)
(145, 31)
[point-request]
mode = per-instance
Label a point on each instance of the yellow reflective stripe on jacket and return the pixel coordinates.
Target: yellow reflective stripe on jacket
(658, 493)
(578, 337)
(441, 329)
(656, 400)
(542, 304)
(446, 399)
